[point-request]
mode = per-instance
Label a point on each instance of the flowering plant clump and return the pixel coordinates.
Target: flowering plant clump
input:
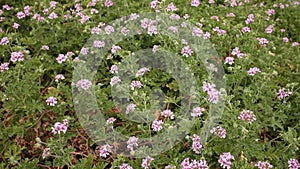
(164, 84)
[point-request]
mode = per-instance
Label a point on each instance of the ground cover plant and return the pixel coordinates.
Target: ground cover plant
(149, 84)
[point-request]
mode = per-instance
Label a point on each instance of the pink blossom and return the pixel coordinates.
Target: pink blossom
(225, 160)
(146, 162)
(4, 66)
(195, 3)
(132, 142)
(253, 71)
(263, 165)
(108, 3)
(156, 125)
(130, 108)
(197, 111)
(219, 131)
(105, 150)
(114, 80)
(229, 60)
(187, 51)
(51, 101)
(248, 116)
(171, 7)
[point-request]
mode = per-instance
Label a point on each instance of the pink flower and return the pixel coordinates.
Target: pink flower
(130, 108)
(45, 47)
(146, 162)
(46, 153)
(156, 125)
(142, 71)
(197, 111)
(168, 113)
(282, 93)
(114, 69)
(246, 29)
(4, 66)
(59, 127)
(247, 115)
(105, 150)
(285, 39)
(197, 32)
(99, 44)
(16, 25)
(225, 160)
(154, 4)
(152, 30)
(219, 131)
(115, 48)
(61, 58)
(114, 80)
(51, 101)
(262, 41)
(59, 77)
(270, 12)
(125, 166)
(95, 30)
(108, 3)
(53, 4)
(293, 164)
(253, 71)
(186, 51)
(52, 15)
(197, 146)
(269, 29)
(132, 142)
(229, 60)
(111, 120)
(4, 41)
(295, 44)
(109, 29)
(21, 15)
(84, 84)
(171, 7)
(135, 84)
(195, 3)
(84, 51)
(16, 56)
(263, 165)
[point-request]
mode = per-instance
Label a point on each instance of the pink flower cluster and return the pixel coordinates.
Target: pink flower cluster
(167, 113)
(219, 131)
(197, 146)
(194, 164)
(51, 101)
(142, 71)
(16, 56)
(263, 165)
(4, 66)
(132, 142)
(125, 166)
(248, 116)
(156, 125)
(60, 127)
(84, 84)
(105, 150)
(212, 92)
(252, 71)
(130, 108)
(187, 51)
(293, 164)
(197, 111)
(282, 93)
(225, 160)
(135, 84)
(146, 162)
